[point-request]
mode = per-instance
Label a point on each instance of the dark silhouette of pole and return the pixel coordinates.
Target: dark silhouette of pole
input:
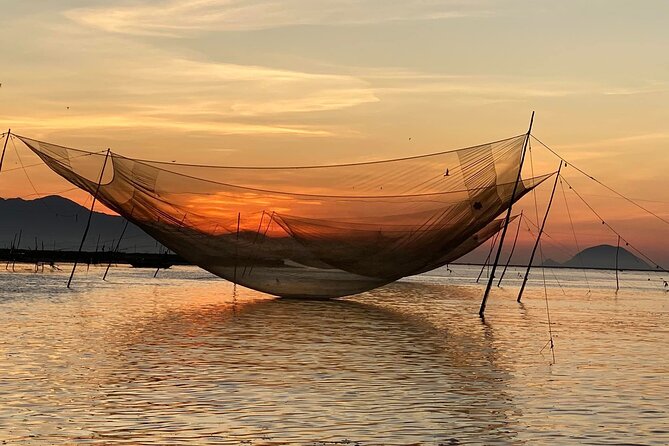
(90, 215)
(541, 230)
(507, 219)
(487, 259)
(4, 148)
(239, 217)
(111, 255)
(617, 251)
(513, 248)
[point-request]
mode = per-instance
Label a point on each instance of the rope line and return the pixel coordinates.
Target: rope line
(573, 230)
(627, 243)
(604, 185)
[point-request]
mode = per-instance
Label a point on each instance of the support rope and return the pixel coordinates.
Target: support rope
(627, 243)
(602, 184)
(573, 230)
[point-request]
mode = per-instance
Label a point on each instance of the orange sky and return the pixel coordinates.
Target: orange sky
(246, 82)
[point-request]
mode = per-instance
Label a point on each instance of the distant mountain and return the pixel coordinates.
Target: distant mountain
(603, 257)
(551, 263)
(59, 222)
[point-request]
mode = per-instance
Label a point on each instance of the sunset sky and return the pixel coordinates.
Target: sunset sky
(295, 82)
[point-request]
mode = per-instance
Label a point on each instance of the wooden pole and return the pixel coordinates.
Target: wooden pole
(541, 230)
(90, 215)
(487, 259)
(155, 274)
(617, 251)
(4, 148)
(18, 248)
(234, 280)
(507, 219)
(513, 248)
(125, 226)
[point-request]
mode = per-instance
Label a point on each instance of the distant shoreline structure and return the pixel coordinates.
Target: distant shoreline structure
(51, 257)
(559, 266)
(154, 260)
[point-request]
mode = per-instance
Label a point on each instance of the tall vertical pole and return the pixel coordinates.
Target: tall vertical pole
(487, 259)
(239, 217)
(507, 219)
(112, 253)
(90, 215)
(617, 252)
(513, 248)
(541, 230)
(4, 148)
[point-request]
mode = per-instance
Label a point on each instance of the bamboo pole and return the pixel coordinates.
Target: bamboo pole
(506, 220)
(90, 215)
(234, 280)
(541, 230)
(493, 240)
(125, 226)
(617, 252)
(513, 248)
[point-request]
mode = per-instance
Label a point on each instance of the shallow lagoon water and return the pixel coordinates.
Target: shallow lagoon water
(186, 359)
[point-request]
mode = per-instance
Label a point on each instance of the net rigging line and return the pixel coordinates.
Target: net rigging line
(573, 230)
(28, 166)
(548, 313)
(541, 253)
(32, 185)
(541, 256)
(602, 184)
(605, 223)
(553, 241)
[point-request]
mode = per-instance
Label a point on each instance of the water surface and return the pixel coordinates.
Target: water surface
(185, 359)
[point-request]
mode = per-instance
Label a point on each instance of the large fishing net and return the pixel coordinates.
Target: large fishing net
(316, 231)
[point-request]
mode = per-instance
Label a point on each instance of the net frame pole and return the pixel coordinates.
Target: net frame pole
(538, 240)
(239, 217)
(617, 252)
(4, 148)
(112, 253)
(513, 248)
(90, 216)
(491, 279)
(493, 242)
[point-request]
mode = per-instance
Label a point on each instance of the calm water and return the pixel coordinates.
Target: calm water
(182, 360)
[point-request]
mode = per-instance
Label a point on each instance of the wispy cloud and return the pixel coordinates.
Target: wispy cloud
(491, 88)
(139, 86)
(183, 17)
(619, 141)
(110, 122)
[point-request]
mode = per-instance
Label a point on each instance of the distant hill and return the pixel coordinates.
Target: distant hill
(603, 257)
(59, 222)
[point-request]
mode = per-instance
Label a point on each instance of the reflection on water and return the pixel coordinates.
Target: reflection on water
(181, 360)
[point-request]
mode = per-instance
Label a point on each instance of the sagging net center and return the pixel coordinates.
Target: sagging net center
(315, 231)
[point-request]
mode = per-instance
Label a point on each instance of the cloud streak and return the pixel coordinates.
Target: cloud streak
(185, 17)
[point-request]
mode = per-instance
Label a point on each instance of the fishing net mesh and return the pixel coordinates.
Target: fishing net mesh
(316, 231)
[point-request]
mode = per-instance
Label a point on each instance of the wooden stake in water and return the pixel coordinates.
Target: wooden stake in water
(486, 263)
(506, 220)
(111, 254)
(513, 248)
(90, 215)
(541, 230)
(617, 251)
(234, 280)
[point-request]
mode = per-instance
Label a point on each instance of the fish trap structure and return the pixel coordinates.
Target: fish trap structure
(310, 231)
